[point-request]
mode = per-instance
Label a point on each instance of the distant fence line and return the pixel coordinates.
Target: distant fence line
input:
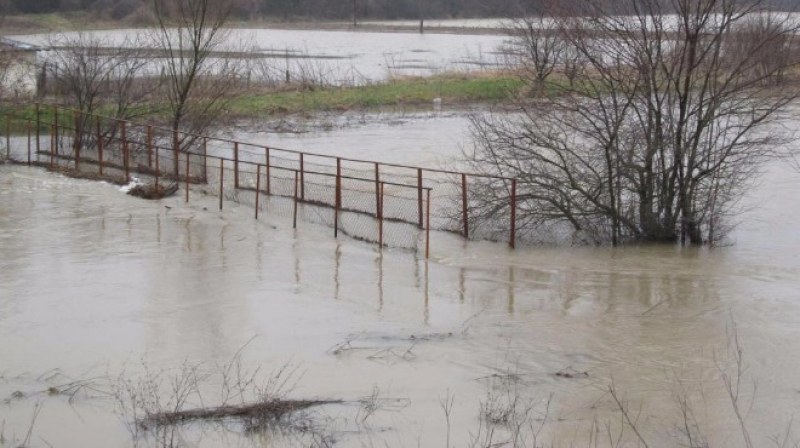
(385, 203)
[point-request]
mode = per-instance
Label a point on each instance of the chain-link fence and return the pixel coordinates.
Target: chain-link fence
(388, 204)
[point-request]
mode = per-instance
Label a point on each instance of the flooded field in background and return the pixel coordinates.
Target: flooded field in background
(100, 287)
(335, 57)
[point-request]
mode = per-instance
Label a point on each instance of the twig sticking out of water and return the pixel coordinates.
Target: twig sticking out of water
(36, 410)
(446, 404)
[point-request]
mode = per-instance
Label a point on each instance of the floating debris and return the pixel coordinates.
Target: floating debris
(153, 192)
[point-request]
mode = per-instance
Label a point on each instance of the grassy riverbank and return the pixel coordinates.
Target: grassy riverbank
(453, 90)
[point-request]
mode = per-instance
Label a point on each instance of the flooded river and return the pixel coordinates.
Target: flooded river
(329, 57)
(94, 284)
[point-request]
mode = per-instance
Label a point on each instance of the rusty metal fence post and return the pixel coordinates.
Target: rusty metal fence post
(258, 186)
(52, 145)
(294, 214)
(419, 196)
(158, 167)
(380, 217)
(8, 136)
(221, 176)
(76, 139)
(302, 178)
(125, 162)
(29, 143)
(175, 151)
(99, 147)
(465, 214)
(150, 146)
(338, 197)
(513, 241)
(377, 190)
(54, 149)
(428, 227)
(38, 130)
(205, 159)
(236, 165)
(186, 176)
(268, 169)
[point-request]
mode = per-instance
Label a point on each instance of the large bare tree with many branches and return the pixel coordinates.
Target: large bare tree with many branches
(96, 76)
(655, 138)
(198, 73)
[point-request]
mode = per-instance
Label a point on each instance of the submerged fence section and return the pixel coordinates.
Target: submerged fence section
(388, 204)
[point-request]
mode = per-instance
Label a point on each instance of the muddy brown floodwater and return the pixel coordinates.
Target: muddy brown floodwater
(340, 57)
(93, 282)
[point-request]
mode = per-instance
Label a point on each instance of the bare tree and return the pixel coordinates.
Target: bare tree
(657, 137)
(93, 75)
(197, 75)
(769, 64)
(536, 50)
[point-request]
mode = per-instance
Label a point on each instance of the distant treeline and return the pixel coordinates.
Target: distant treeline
(140, 10)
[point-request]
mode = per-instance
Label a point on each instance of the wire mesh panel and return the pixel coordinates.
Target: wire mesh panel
(19, 145)
(388, 204)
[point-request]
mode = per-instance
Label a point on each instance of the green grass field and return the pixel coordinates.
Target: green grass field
(417, 91)
(452, 89)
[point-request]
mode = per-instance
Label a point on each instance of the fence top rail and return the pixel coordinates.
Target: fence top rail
(292, 151)
(316, 173)
(223, 159)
